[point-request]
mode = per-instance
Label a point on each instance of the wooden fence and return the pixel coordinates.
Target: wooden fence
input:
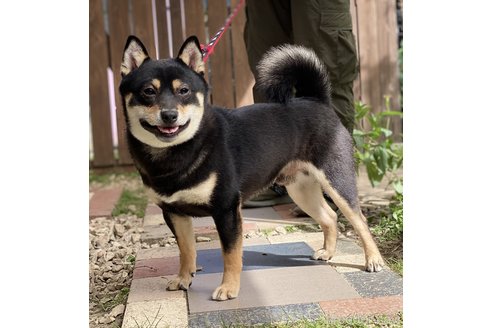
(164, 24)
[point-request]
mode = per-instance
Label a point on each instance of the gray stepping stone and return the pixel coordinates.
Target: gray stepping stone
(383, 283)
(261, 257)
(257, 315)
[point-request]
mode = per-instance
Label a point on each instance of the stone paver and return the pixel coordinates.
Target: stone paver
(269, 287)
(103, 201)
(387, 305)
(165, 313)
(256, 315)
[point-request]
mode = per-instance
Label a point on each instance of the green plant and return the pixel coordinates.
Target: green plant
(374, 146)
(390, 227)
(120, 298)
(131, 202)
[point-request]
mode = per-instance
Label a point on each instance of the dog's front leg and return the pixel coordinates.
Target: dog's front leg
(182, 228)
(229, 227)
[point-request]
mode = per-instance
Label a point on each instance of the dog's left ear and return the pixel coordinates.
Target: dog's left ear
(191, 55)
(133, 56)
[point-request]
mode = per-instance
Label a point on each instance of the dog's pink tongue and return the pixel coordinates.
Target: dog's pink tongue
(168, 130)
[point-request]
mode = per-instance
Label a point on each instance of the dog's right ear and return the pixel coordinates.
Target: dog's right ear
(133, 56)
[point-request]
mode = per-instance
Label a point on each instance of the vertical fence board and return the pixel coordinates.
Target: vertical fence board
(176, 26)
(369, 54)
(195, 23)
(243, 78)
(220, 60)
(143, 24)
(194, 19)
(119, 29)
(162, 31)
(98, 87)
(388, 56)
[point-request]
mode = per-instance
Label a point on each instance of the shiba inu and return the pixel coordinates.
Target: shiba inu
(197, 159)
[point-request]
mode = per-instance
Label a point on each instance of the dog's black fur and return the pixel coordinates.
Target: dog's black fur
(247, 148)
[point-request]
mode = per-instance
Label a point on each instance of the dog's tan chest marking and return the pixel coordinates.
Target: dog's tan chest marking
(200, 194)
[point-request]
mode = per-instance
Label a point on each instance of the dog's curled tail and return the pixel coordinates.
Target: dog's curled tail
(289, 71)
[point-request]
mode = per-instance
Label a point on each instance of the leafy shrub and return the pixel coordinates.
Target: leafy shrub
(375, 147)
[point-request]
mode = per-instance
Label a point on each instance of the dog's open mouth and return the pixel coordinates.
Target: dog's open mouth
(164, 132)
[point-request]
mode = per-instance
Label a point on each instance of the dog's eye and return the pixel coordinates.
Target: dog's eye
(183, 91)
(149, 91)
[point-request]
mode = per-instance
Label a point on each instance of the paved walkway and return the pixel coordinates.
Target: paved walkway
(279, 281)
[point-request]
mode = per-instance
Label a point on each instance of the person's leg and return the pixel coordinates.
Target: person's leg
(326, 27)
(268, 24)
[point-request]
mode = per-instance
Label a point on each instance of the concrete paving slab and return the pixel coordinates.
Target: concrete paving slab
(261, 257)
(155, 233)
(160, 252)
(255, 316)
(312, 239)
(281, 286)
(152, 289)
(157, 252)
(360, 307)
(156, 314)
(348, 263)
(156, 267)
(153, 209)
(370, 284)
(103, 202)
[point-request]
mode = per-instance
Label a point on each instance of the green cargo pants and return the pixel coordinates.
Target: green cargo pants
(323, 25)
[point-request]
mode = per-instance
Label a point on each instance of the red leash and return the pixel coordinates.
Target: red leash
(209, 48)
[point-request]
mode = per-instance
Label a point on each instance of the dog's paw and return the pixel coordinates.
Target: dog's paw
(374, 264)
(179, 282)
(225, 292)
(322, 254)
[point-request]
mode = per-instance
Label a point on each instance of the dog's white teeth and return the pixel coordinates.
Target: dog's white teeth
(168, 130)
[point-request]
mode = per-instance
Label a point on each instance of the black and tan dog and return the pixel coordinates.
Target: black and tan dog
(199, 160)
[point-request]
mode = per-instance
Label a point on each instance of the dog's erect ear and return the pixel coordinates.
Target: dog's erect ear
(133, 56)
(191, 55)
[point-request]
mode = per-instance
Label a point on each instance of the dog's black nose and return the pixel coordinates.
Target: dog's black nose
(169, 116)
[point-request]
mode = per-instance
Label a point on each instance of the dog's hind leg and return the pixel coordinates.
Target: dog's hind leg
(306, 192)
(182, 228)
(229, 226)
(341, 187)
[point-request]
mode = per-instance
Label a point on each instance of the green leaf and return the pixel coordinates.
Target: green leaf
(387, 133)
(391, 113)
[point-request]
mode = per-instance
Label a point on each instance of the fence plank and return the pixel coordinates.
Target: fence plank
(119, 29)
(176, 26)
(98, 87)
(195, 23)
(194, 19)
(369, 54)
(243, 78)
(388, 57)
(143, 24)
(162, 31)
(220, 60)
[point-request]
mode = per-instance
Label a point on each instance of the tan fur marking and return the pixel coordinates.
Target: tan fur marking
(192, 57)
(156, 83)
(199, 194)
(233, 265)
(374, 261)
(133, 56)
(176, 84)
(306, 193)
(187, 253)
(192, 113)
